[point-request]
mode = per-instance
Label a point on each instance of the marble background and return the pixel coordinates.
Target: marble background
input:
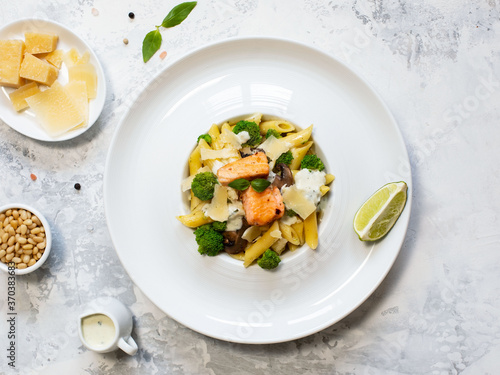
(435, 63)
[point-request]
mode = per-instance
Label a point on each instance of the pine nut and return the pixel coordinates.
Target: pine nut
(2, 217)
(38, 239)
(24, 228)
(14, 224)
(8, 212)
(35, 250)
(17, 246)
(35, 231)
(32, 226)
(36, 220)
(23, 214)
(27, 222)
(38, 256)
(9, 257)
(21, 240)
(21, 266)
(41, 245)
(31, 262)
(12, 232)
(10, 249)
(28, 247)
(16, 260)
(11, 241)
(5, 237)
(29, 252)
(31, 241)
(26, 259)
(2, 253)
(15, 213)
(3, 246)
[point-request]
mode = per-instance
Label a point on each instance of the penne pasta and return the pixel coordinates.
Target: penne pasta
(289, 234)
(239, 256)
(329, 178)
(281, 126)
(324, 189)
(298, 154)
(215, 134)
(261, 245)
(299, 229)
(194, 161)
(292, 247)
(311, 231)
(194, 219)
(296, 139)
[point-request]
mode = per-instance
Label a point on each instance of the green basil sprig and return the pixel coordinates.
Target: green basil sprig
(152, 41)
(239, 184)
(259, 185)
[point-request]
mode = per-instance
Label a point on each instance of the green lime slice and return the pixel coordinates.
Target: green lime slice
(378, 214)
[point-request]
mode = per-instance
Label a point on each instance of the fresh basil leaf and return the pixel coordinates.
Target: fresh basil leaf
(151, 44)
(259, 185)
(178, 14)
(239, 184)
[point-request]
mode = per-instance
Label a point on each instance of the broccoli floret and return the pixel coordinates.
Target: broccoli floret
(219, 226)
(253, 130)
(206, 137)
(269, 260)
(203, 185)
(272, 132)
(285, 158)
(210, 241)
(312, 162)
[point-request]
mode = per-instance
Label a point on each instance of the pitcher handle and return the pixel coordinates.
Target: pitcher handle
(129, 346)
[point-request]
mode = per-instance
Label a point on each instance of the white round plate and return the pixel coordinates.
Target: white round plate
(310, 290)
(25, 122)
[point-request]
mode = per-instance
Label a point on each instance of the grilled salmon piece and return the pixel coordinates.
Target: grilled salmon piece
(262, 208)
(254, 166)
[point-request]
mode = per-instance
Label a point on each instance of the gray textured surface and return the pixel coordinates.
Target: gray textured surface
(437, 66)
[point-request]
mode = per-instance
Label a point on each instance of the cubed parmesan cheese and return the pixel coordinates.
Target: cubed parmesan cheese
(217, 209)
(296, 200)
(34, 69)
(18, 97)
(11, 56)
(55, 58)
(56, 110)
(40, 43)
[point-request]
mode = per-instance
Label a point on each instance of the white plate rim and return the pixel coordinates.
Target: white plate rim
(95, 105)
(403, 223)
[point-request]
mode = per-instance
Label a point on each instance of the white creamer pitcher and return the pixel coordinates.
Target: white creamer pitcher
(106, 325)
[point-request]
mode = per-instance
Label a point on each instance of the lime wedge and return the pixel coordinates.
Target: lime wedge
(378, 214)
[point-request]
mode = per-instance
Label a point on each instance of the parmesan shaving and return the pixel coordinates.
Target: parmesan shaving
(296, 200)
(251, 233)
(274, 147)
(217, 209)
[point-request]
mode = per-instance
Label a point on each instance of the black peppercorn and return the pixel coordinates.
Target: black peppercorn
(131, 15)
(78, 186)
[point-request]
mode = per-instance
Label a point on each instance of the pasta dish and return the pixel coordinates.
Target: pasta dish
(254, 189)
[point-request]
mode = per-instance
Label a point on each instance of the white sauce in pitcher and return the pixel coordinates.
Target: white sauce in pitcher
(98, 330)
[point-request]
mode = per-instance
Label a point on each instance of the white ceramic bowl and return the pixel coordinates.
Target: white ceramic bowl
(48, 237)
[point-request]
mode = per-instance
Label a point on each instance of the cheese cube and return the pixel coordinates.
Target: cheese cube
(55, 58)
(11, 56)
(18, 97)
(40, 43)
(86, 73)
(56, 110)
(78, 91)
(38, 70)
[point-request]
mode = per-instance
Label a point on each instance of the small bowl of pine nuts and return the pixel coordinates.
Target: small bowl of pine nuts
(25, 238)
